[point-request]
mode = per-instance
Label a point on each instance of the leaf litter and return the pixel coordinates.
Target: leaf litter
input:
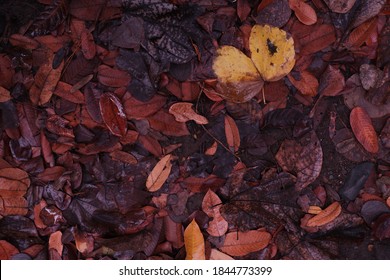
(159, 129)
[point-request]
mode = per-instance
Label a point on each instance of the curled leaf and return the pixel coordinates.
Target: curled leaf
(325, 216)
(364, 131)
(159, 174)
(194, 242)
(183, 112)
(243, 243)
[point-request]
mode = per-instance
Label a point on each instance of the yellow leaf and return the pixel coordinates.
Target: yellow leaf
(325, 216)
(194, 242)
(272, 52)
(159, 174)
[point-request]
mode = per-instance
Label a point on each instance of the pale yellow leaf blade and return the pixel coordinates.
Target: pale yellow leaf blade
(159, 174)
(194, 242)
(183, 112)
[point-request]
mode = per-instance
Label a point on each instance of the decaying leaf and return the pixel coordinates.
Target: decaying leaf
(159, 174)
(242, 243)
(325, 216)
(183, 112)
(211, 205)
(364, 131)
(332, 82)
(194, 242)
(232, 134)
(4, 94)
(304, 12)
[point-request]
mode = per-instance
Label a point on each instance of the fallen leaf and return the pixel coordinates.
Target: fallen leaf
(113, 114)
(84, 242)
(165, 123)
(55, 242)
(14, 182)
(364, 131)
(4, 94)
(159, 174)
(218, 255)
(13, 205)
(194, 242)
(340, 6)
(23, 42)
(113, 77)
(51, 173)
(304, 12)
(123, 157)
(332, 82)
(64, 91)
(325, 216)
(273, 12)
(307, 83)
(242, 243)
(232, 134)
(183, 112)
(7, 250)
(211, 205)
(361, 34)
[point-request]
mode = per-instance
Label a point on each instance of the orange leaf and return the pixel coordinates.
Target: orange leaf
(13, 182)
(13, 206)
(243, 243)
(113, 114)
(218, 255)
(364, 131)
(304, 12)
(55, 242)
(159, 174)
(4, 94)
(7, 250)
(194, 242)
(361, 33)
(307, 83)
(232, 134)
(325, 216)
(183, 112)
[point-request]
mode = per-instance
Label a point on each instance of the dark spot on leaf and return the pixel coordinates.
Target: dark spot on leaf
(257, 50)
(271, 47)
(272, 64)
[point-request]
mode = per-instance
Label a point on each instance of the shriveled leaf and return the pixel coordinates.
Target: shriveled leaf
(7, 250)
(325, 216)
(159, 174)
(332, 82)
(113, 115)
(340, 6)
(13, 182)
(194, 242)
(303, 158)
(232, 134)
(183, 112)
(364, 131)
(304, 12)
(242, 243)
(306, 83)
(272, 51)
(236, 73)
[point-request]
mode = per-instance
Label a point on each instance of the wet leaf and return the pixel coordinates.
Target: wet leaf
(159, 174)
(183, 112)
(303, 158)
(242, 243)
(304, 12)
(113, 114)
(325, 216)
(364, 131)
(194, 242)
(232, 134)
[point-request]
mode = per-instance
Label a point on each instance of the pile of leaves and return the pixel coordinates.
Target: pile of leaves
(195, 129)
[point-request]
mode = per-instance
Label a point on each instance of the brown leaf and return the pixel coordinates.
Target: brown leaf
(64, 91)
(243, 9)
(273, 12)
(88, 46)
(218, 255)
(113, 77)
(46, 150)
(307, 83)
(13, 206)
(313, 38)
(165, 123)
(364, 131)
(58, 125)
(123, 157)
(303, 158)
(55, 242)
(211, 205)
(242, 243)
(51, 173)
(332, 82)
(4, 94)
(7, 250)
(84, 242)
(13, 182)
(45, 82)
(361, 34)
(325, 216)
(159, 174)
(113, 114)
(151, 145)
(6, 72)
(340, 6)
(183, 112)
(194, 242)
(232, 134)
(24, 42)
(304, 12)
(135, 109)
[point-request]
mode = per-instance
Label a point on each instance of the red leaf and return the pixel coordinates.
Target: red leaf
(113, 114)
(7, 250)
(332, 82)
(307, 83)
(232, 134)
(113, 77)
(364, 131)
(165, 123)
(304, 12)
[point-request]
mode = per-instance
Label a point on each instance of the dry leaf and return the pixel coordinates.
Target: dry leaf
(211, 205)
(123, 157)
(332, 82)
(364, 131)
(325, 216)
(64, 91)
(340, 6)
(23, 42)
(361, 34)
(113, 77)
(55, 242)
(159, 174)
(51, 174)
(218, 255)
(232, 134)
(4, 94)
(272, 51)
(307, 83)
(304, 12)
(13, 182)
(183, 112)
(242, 243)
(7, 250)
(194, 242)
(113, 114)
(13, 206)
